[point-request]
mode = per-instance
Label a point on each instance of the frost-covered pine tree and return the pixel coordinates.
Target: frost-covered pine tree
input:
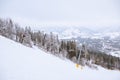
(1, 27)
(27, 37)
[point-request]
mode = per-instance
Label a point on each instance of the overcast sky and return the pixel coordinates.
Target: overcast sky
(72, 12)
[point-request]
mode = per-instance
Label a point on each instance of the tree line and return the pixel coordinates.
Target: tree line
(69, 49)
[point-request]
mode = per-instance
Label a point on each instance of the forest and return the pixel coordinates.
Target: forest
(51, 43)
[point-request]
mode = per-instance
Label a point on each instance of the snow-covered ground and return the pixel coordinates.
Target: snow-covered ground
(18, 62)
(115, 53)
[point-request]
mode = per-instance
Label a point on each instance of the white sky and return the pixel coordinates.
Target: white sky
(72, 12)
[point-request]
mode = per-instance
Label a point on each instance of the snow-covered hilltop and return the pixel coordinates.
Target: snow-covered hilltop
(18, 62)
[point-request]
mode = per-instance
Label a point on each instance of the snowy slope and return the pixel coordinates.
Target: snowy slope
(18, 62)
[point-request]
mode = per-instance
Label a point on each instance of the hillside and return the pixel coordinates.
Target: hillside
(18, 62)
